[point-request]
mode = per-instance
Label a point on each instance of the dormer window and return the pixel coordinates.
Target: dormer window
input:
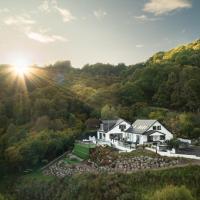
(122, 127)
(158, 127)
(154, 127)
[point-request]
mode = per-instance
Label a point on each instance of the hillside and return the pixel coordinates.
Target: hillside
(42, 115)
(168, 79)
(186, 55)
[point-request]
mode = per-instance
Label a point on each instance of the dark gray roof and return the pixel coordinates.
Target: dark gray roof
(109, 124)
(142, 125)
(130, 130)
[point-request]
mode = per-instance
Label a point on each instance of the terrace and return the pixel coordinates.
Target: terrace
(118, 144)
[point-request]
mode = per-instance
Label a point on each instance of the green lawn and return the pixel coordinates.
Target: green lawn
(83, 150)
(71, 161)
(140, 152)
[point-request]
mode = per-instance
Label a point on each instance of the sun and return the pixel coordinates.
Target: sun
(21, 66)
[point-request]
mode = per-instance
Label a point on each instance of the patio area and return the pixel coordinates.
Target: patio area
(120, 145)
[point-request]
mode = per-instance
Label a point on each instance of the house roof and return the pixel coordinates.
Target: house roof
(130, 130)
(110, 124)
(140, 126)
(152, 132)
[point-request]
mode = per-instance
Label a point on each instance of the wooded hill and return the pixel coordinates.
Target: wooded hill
(41, 116)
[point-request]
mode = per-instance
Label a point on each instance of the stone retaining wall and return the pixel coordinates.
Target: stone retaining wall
(62, 169)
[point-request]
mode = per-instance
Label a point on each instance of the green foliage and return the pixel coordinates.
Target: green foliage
(173, 143)
(131, 93)
(172, 193)
(108, 112)
(2, 197)
(36, 147)
(135, 186)
(159, 115)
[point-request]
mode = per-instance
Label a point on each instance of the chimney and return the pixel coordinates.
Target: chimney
(101, 127)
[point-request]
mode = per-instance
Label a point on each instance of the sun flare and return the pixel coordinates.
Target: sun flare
(21, 66)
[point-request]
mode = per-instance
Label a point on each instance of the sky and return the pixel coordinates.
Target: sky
(90, 31)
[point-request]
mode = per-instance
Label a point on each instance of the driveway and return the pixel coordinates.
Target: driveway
(193, 150)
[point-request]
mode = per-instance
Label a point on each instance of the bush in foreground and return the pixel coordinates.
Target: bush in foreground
(172, 193)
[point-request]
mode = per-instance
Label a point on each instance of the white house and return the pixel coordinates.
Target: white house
(146, 131)
(112, 129)
(140, 132)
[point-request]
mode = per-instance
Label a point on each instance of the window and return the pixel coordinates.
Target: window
(154, 127)
(137, 139)
(162, 137)
(158, 127)
(122, 127)
(100, 135)
(112, 136)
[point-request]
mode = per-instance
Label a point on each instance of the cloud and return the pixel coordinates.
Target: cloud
(45, 7)
(45, 38)
(139, 45)
(19, 20)
(144, 18)
(65, 14)
(159, 7)
(99, 14)
(52, 5)
(4, 10)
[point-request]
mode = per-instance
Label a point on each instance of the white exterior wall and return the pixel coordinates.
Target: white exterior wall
(116, 129)
(168, 135)
(102, 135)
(131, 137)
(143, 139)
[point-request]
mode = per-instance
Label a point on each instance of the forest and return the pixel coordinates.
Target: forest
(42, 116)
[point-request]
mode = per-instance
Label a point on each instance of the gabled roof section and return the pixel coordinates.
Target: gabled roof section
(142, 125)
(110, 124)
(130, 130)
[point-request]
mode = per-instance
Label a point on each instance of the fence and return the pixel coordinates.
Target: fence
(55, 160)
(169, 154)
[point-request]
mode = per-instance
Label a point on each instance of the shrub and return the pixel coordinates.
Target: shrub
(172, 193)
(2, 197)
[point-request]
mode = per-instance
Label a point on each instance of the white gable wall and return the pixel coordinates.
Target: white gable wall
(116, 130)
(168, 135)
